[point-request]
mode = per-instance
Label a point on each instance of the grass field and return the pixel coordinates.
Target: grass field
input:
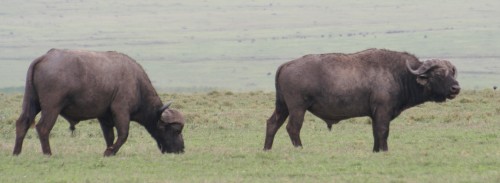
(456, 141)
(217, 60)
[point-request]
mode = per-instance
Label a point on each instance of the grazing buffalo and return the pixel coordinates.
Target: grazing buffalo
(376, 83)
(109, 86)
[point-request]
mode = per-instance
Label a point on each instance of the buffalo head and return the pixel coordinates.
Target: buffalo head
(170, 128)
(438, 77)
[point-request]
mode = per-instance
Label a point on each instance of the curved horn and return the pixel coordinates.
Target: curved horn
(416, 71)
(166, 106)
(428, 64)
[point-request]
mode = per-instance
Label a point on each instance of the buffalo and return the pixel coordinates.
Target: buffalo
(377, 83)
(110, 86)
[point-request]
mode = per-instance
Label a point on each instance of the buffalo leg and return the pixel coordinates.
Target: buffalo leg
(122, 122)
(294, 125)
(273, 124)
(22, 125)
(107, 131)
(380, 127)
(44, 127)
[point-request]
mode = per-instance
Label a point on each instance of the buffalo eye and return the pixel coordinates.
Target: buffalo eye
(161, 126)
(423, 76)
(177, 127)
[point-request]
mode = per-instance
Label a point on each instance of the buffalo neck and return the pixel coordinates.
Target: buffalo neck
(149, 115)
(148, 111)
(413, 94)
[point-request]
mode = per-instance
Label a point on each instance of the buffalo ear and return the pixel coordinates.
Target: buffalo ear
(422, 79)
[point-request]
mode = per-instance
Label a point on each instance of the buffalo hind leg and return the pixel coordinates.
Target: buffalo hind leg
(273, 124)
(294, 125)
(22, 126)
(23, 123)
(44, 127)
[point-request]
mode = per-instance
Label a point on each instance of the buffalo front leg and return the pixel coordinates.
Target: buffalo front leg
(294, 125)
(380, 125)
(122, 123)
(44, 127)
(273, 124)
(107, 131)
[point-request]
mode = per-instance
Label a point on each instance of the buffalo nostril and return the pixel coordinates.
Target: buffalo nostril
(455, 88)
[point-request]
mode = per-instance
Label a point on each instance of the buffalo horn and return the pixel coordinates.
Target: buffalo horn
(166, 106)
(428, 64)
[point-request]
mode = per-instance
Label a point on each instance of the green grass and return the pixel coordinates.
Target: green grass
(457, 141)
(199, 46)
(236, 46)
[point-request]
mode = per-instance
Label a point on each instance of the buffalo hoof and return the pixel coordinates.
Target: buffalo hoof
(109, 152)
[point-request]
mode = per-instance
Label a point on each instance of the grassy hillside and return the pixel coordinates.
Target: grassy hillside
(234, 45)
(457, 141)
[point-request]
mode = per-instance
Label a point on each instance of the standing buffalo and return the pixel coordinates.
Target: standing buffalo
(375, 83)
(109, 86)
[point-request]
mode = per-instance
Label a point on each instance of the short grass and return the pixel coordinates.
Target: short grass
(457, 141)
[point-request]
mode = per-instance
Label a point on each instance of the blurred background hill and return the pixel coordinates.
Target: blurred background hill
(191, 46)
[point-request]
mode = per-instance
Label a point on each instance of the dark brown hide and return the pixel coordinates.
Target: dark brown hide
(81, 85)
(375, 83)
